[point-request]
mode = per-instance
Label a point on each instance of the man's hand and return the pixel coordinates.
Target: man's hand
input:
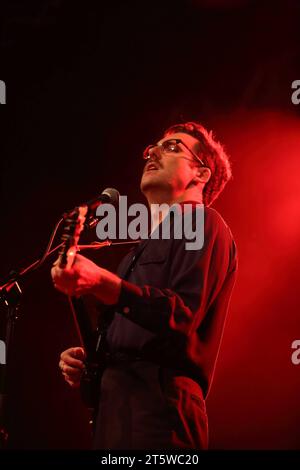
(72, 365)
(85, 277)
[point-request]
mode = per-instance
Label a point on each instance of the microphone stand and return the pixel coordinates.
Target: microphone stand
(10, 296)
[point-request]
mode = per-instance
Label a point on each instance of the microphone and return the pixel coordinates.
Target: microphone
(108, 196)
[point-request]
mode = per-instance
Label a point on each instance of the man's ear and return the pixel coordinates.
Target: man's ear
(203, 174)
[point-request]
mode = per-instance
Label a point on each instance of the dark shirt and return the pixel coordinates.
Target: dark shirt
(174, 301)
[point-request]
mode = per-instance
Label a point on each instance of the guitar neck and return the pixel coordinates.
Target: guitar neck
(83, 325)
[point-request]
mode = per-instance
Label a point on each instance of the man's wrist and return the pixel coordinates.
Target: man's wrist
(108, 287)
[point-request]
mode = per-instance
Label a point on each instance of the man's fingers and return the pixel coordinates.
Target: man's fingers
(71, 371)
(77, 352)
(73, 357)
(72, 365)
(64, 280)
(72, 383)
(70, 361)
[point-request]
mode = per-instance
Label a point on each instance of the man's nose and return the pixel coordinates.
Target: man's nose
(154, 153)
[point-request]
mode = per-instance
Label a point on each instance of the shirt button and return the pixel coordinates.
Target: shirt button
(126, 310)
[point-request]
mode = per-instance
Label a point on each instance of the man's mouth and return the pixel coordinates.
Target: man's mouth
(151, 167)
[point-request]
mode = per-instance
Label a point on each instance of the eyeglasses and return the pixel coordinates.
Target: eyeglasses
(170, 146)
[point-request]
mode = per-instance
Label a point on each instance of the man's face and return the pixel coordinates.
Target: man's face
(170, 171)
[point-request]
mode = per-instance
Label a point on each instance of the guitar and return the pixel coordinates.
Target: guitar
(92, 341)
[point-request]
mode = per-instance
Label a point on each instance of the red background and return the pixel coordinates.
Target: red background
(87, 89)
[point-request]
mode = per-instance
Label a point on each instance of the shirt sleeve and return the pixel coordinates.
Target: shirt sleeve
(196, 277)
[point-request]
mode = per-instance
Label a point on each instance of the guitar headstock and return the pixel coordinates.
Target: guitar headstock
(74, 224)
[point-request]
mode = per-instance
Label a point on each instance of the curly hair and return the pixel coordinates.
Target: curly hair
(213, 155)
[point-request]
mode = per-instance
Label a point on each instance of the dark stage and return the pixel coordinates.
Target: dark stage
(88, 86)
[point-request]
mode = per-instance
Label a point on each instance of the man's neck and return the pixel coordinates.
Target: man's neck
(159, 213)
(156, 197)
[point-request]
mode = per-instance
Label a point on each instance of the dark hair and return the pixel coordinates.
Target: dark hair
(213, 155)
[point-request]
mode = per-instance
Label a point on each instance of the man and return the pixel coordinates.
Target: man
(170, 305)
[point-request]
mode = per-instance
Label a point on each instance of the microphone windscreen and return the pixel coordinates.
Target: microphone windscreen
(113, 195)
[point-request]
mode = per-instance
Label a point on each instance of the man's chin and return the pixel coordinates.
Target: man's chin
(149, 181)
